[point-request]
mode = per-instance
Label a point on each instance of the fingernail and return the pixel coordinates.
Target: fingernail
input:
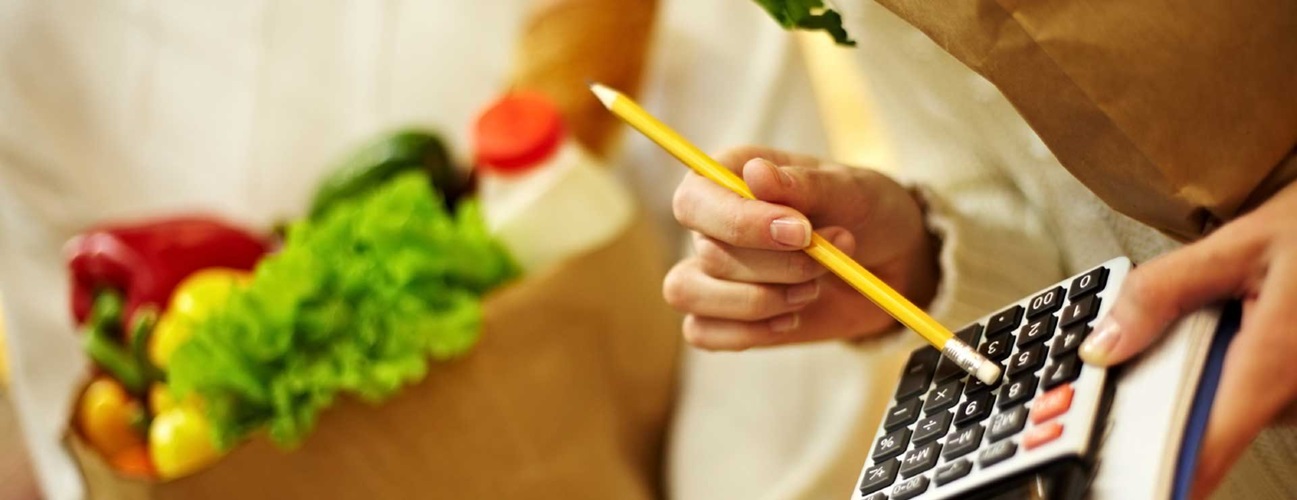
(791, 231)
(785, 323)
(803, 293)
(1098, 348)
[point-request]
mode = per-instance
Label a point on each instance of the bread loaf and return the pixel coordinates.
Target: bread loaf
(565, 44)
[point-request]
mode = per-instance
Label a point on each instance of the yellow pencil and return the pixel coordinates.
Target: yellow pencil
(820, 249)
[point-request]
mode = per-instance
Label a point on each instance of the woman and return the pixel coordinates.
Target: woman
(994, 218)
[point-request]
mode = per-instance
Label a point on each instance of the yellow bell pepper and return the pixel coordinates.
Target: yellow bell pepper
(160, 399)
(107, 417)
(181, 442)
(195, 298)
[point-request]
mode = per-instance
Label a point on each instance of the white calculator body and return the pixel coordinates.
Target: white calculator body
(946, 435)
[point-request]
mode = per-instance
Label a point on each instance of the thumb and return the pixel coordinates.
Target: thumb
(1161, 291)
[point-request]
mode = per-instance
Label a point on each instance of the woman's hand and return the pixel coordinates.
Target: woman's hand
(1253, 258)
(750, 285)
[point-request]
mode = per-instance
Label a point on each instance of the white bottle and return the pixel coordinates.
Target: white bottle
(543, 196)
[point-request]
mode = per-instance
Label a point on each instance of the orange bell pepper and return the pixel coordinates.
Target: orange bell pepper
(108, 417)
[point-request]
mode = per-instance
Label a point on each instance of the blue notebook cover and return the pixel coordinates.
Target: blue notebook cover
(1197, 426)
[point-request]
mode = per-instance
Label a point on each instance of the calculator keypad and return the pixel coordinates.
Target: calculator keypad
(920, 459)
(1062, 371)
(903, 414)
(1042, 434)
(1080, 311)
(996, 453)
(1069, 341)
(952, 471)
(1007, 423)
(942, 397)
(1018, 390)
(963, 441)
(1037, 330)
(944, 426)
(910, 488)
(1090, 282)
(1047, 302)
(976, 408)
(1008, 319)
(892, 444)
(931, 427)
(880, 476)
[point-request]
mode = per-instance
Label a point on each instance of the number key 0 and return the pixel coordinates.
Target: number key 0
(1087, 283)
(1047, 302)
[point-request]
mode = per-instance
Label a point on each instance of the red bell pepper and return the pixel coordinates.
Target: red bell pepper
(145, 262)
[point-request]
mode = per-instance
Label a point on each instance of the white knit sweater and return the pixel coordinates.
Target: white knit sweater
(797, 422)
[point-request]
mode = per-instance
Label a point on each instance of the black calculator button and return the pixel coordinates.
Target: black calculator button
(942, 397)
(920, 459)
(877, 496)
(947, 369)
(996, 453)
(970, 334)
(1005, 424)
(1080, 312)
(1087, 283)
(931, 427)
(962, 441)
(952, 471)
(918, 373)
(1069, 340)
(998, 348)
(1047, 302)
(1006, 320)
(976, 408)
(902, 414)
(879, 476)
(910, 488)
(892, 444)
(1037, 330)
(1062, 371)
(1018, 390)
(975, 385)
(1027, 360)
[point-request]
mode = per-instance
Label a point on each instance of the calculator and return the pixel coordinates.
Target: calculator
(1032, 435)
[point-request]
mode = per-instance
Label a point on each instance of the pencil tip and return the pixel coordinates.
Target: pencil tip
(605, 94)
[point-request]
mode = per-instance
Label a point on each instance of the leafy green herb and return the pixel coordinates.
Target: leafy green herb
(810, 15)
(354, 303)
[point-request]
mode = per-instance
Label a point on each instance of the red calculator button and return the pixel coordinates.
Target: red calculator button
(1042, 434)
(1051, 404)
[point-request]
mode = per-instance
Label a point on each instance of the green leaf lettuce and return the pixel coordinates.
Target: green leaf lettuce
(810, 15)
(356, 302)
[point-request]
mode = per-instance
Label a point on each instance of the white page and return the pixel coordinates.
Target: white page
(1149, 411)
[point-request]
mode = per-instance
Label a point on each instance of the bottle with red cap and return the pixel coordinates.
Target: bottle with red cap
(543, 196)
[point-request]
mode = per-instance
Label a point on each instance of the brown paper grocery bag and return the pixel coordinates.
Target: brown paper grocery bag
(1181, 114)
(567, 395)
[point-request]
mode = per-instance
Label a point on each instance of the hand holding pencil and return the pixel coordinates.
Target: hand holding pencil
(750, 286)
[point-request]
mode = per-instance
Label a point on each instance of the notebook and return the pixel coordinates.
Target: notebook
(1160, 409)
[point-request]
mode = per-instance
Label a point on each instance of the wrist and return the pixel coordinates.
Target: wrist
(925, 266)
